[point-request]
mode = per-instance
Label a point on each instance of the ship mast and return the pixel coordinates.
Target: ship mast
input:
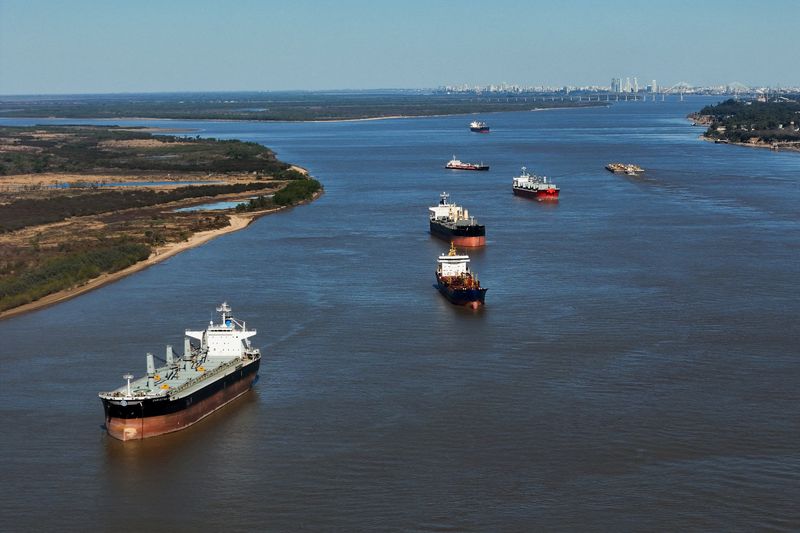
(225, 309)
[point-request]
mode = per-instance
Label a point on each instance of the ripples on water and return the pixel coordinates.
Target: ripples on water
(635, 366)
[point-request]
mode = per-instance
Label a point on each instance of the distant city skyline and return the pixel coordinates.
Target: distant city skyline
(49, 47)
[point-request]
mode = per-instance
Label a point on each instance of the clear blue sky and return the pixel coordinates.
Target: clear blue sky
(85, 46)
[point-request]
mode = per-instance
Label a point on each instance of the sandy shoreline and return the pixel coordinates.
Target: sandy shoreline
(238, 221)
(390, 117)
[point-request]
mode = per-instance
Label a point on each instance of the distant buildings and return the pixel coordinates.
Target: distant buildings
(620, 86)
(631, 86)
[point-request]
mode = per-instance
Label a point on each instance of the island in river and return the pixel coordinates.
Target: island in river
(773, 124)
(286, 106)
(84, 205)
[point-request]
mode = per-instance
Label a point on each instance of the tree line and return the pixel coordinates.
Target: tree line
(35, 211)
(66, 271)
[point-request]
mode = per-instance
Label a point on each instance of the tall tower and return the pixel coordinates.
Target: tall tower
(654, 85)
(635, 84)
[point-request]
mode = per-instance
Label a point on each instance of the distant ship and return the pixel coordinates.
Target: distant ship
(209, 375)
(624, 168)
(533, 186)
(456, 282)
(456, 164)
(478, 127)
(453, 224)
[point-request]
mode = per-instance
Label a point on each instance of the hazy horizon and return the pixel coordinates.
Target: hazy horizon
(50, 48)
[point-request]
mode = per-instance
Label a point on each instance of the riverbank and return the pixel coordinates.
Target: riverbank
(753, 123)
(238, 222)
(776, 146)
(334, 120)
(390, 117)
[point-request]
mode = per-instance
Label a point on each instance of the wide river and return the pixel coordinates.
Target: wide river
(636, 366)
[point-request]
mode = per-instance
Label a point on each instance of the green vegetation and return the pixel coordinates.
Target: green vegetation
(68, 270)
(116, 150)
(295, 192)
(749, 121)
(290, 174)
(289, 106)
(35, 211)
(255, 204)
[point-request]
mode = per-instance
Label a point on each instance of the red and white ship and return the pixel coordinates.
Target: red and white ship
(457, 164)
(533, 186)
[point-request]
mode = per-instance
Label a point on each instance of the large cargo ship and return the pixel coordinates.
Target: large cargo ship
(478, 127)
(533, 186)
(211, 373)
(457, 164)
(453, 223)
(456, 282)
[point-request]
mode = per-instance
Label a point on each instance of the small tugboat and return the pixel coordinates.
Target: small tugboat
(455, 281)
(457, 164)
(533, 186)
(453, 224)
(624, 168)
(478, 127)
(210, 374)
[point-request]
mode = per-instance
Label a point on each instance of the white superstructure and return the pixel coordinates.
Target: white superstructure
(446, 211)
(531, 181)
(229, 338)
(454, 162)
(452, 264)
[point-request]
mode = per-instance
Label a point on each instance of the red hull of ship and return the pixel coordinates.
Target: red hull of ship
(469, 242)
(152, 426)
(550, 194)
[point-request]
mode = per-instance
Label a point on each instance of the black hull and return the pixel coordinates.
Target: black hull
(155, 407)
(447, 232)
(476, 167)
(536, 194)
(467, 297)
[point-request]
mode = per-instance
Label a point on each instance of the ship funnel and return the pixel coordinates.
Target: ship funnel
(170, 360)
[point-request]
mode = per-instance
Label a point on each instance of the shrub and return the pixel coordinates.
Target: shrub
(69, 270)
